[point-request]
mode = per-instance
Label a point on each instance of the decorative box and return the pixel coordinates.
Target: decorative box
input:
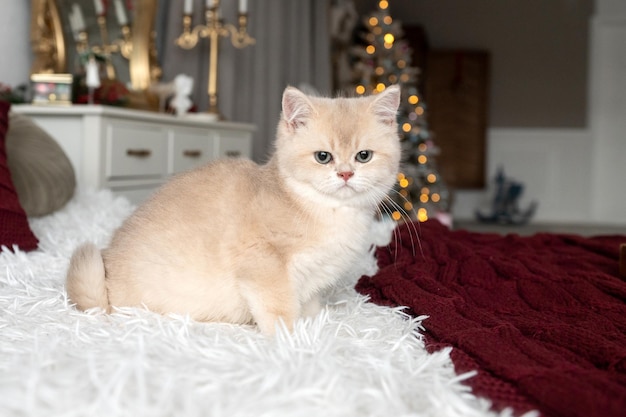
(52, 88)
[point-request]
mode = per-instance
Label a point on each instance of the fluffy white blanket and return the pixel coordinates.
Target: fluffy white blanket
(354, 359)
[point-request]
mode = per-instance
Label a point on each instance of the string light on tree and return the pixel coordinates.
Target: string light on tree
(385, 59)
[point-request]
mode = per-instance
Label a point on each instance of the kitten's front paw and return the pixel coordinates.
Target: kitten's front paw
(270, 327)
(312, 307)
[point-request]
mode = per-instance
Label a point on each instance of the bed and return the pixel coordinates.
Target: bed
(427, 326)
(355, 358)
(542, 319)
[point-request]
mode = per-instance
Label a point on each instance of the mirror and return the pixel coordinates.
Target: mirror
(122, 31)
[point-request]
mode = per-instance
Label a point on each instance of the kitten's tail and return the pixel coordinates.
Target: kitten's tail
(86, 279)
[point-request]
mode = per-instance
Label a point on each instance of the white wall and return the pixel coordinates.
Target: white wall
(578, 175)
(555, 166)
(15, 56)
(608, 110)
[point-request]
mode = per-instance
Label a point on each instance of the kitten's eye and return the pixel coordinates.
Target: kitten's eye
(323, 157)
(364, 156)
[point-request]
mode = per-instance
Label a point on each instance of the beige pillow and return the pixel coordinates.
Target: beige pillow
(42, 174)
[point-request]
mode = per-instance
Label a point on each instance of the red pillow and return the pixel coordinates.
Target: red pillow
(14, 228)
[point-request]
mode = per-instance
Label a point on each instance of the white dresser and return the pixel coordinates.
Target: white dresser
(131, 151)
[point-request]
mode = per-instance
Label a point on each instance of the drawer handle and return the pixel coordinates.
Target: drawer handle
(233, 154)
(139, 153)
(192, 153)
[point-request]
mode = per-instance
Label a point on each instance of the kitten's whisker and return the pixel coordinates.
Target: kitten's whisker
(404, 213)
(384, 198)
(412, 229)
(395, 232)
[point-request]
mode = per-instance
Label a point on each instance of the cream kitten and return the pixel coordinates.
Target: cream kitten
(241, 243)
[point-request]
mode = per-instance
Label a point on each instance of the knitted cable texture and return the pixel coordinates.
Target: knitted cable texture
(542, 318)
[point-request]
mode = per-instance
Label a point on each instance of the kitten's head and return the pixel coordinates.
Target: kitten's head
(341, 151)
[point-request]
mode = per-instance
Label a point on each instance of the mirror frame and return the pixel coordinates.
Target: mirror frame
(50, 51)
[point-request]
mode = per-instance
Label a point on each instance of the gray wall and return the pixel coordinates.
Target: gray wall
(15, 53)
(539, 52)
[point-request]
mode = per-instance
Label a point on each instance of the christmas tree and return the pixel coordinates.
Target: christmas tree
(385, 59)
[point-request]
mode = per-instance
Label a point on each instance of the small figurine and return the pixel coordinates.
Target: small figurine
(505, 208)
(183, 84)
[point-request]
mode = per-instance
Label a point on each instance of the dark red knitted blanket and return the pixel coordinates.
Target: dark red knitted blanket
(542, 318)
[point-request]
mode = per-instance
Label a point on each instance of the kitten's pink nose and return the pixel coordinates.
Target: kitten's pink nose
(346, 175)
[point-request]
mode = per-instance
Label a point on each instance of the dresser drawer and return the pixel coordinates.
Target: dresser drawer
(132, 152)
(233, 145)
(190, 149)
(135, 152)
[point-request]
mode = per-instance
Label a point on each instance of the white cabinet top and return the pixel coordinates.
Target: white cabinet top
(191, 119)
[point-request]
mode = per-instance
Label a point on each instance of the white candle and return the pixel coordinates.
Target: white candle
(120, 12)
(209, 4)
(188, 7)
(97, 4)
(78, 18)
(72, 20)
(243, 6)
(92, 76)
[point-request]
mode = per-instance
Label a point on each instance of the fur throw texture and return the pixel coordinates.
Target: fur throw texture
(354, 359)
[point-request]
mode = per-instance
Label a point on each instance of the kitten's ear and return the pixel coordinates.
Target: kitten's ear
(297, 108)
(385, 104)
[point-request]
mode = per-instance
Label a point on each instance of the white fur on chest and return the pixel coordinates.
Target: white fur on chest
(342, 239)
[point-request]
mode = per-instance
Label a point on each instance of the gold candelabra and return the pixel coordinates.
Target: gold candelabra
(123, 46)
(213, 29)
